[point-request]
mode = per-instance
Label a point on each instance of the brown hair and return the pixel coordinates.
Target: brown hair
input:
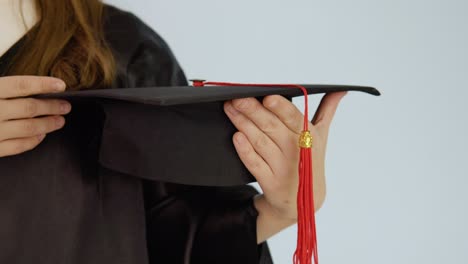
(68, 43)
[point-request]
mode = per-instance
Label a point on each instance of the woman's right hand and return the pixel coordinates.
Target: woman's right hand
(24, 122)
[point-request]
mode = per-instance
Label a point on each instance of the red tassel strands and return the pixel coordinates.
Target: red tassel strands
(306, 231)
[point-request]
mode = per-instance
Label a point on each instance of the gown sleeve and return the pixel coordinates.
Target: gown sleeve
(185, 224)
(206, 225)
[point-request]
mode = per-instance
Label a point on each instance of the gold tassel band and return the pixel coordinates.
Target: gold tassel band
(305, 141)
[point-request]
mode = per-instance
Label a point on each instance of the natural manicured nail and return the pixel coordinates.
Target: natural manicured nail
(65, 107)
(241, 103)
(240, 139)
(231, 109)
(59, 121)
(59, 86)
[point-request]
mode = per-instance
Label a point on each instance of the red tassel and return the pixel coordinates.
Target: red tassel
(306, 232)
(307, 236)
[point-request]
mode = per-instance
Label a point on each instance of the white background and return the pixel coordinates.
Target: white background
(397, 165)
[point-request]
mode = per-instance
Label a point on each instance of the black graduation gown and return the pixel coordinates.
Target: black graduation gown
(58, 206)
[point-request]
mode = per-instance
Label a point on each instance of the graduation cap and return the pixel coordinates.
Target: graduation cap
(147, 132)
(182, 135)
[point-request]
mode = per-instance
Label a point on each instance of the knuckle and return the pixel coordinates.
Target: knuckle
(260, 142)
(269, 126)
(31, 107)
(31, 127)
(254, 106)
(51, 106)
(21, 85)
(43, 85)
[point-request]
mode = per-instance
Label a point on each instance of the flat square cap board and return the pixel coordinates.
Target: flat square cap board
(177, 134)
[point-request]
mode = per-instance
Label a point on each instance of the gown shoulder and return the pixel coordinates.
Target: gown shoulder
(142, 56)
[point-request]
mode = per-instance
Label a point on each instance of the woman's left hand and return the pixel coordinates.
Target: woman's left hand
(268, 144)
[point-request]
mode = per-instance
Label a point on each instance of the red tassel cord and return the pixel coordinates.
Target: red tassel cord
(306, 232)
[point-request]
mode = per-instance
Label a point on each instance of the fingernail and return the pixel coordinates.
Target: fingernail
(240, 139)
(65, 107)
(60, 121)
(241, 103)
(59, 86)
(231, 109)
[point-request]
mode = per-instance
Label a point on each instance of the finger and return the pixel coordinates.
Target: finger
(286, 111)
(327, 108)
(265, 120)
(30, 127)
(251, 159)
(16, 146)
(29, 108)
(21, 86)
(261, 143)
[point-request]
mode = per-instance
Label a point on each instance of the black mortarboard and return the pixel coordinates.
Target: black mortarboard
(178, 134)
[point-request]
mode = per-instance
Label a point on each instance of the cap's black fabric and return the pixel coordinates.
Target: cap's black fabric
(178, 134)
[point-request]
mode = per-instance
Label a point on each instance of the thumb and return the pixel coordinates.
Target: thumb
(327, 109)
